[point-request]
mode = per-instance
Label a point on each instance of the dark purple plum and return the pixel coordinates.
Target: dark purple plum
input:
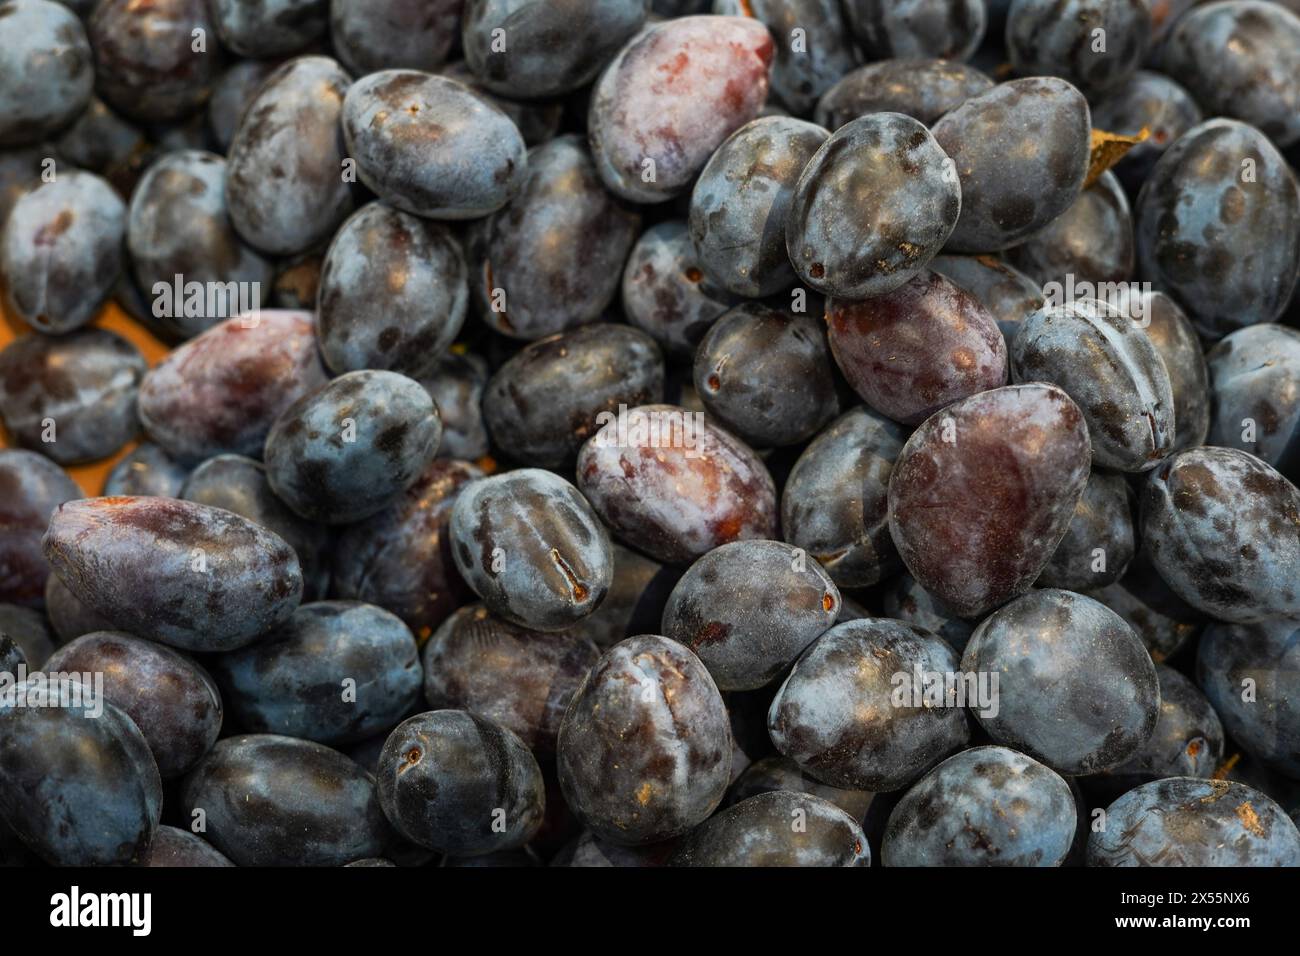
(220, 392)
(838, 715)
(180, 848)
(1255, 395)
(776, 772)
(917, 349)
(169, 697)
(429, 146)
(779, 828)
(372, 35)
(45, 60)
(194, 577)
(951, 29)
(146, 64)
(231, 93)
(349, 449)
(767, 375)
(278, 801)
(537, 120)
(645, 747)
(1218, 227)
(77, 782)
(1100, 541)
(1095, 44)
(551, 259)
(1021, 151)
(669, 99)
(178, 225)
(544, 402)
(1174, 337)
(31, 634)
(1092, 241)
(529, 544)
(268, 28)
(147, 470)
(287, 187)
(100, 141)
(73, 397)
(872, 207)
(906, 600)
(981, 495)
(921, 88)
(519, 678)
(552, 46)
(589, 851)
(1076, 688)
(61, 251)
(392, 293)
(1099, 356)
(987, 806)
(1008, 294)
(460, 784)
(671, 484)
(456, 385)
(1223, 530)
(1148, 101)
(1160, 618)
(67, 615)
(635, 602)
(336, 672)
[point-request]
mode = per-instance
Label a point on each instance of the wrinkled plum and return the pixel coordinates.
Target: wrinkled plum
(1223, 530)
(520, 678)
(670, 97)
(762, 831)
(767, 375)
(278, 801)
(544, 402)
(671, 484)
(194, 577)
(917, 349)
(1100, 541)
(147, 470)
(1255, 391)
(951, 29)
(457, 783)
(72, 398)
(429, 146)
(287, 187)
(349, 449)
(987, 806)
(61, 251)
(45, 60)
(529, 544)
(1095, 44)
(920, 88)
(1076, 688)
(220, 392)
(172, 700)
(645, 747)
(845, 717)
(551, 259)
(981, 495)
(1021, 152)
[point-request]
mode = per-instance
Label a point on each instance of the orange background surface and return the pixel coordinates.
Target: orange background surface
(91, 477)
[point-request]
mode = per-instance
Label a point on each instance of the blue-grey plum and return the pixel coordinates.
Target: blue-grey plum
(268, 28)
(1175, 338)
(537, 120)
(73, 397)
(170, 698)
(1161, 619)
(1100, 541)
(1223, 530)
(31, 488)
(924, 89)
(835, 501)
(1095, 44)
(1075, 689)
(77, 782)
(178, 226)
(146, 470)
(981, 494)
(11, 656)
(531, 547)
(61, 251)
(906, 600)
(872, 207)
(951, 29)
(392, 293)
(1218, 227)
(1148, 101)
(100, 141)
(518, 677)
(775, 772)
(45, 59)
(268, 800)
(544, 402)
(20, 171)
(1255, 395)
(1008, 294)
(1251, 674)
(860, 709)
(670, 97)
(456, 384)
(749, 608)
(372, 35)
(635, 602)
(231, 93)
(767, 375)
(1185, 821)
(460, 784)
(1102, 359)
(221, 391)
(1021, 151)
(644, 751)
(779, 828)
(987, 806)
(181, 848)
(194, 577)
(551, 259)
(1092, 241)
(429, 146)
(336, 672)
(287, 186)
(349, 449)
